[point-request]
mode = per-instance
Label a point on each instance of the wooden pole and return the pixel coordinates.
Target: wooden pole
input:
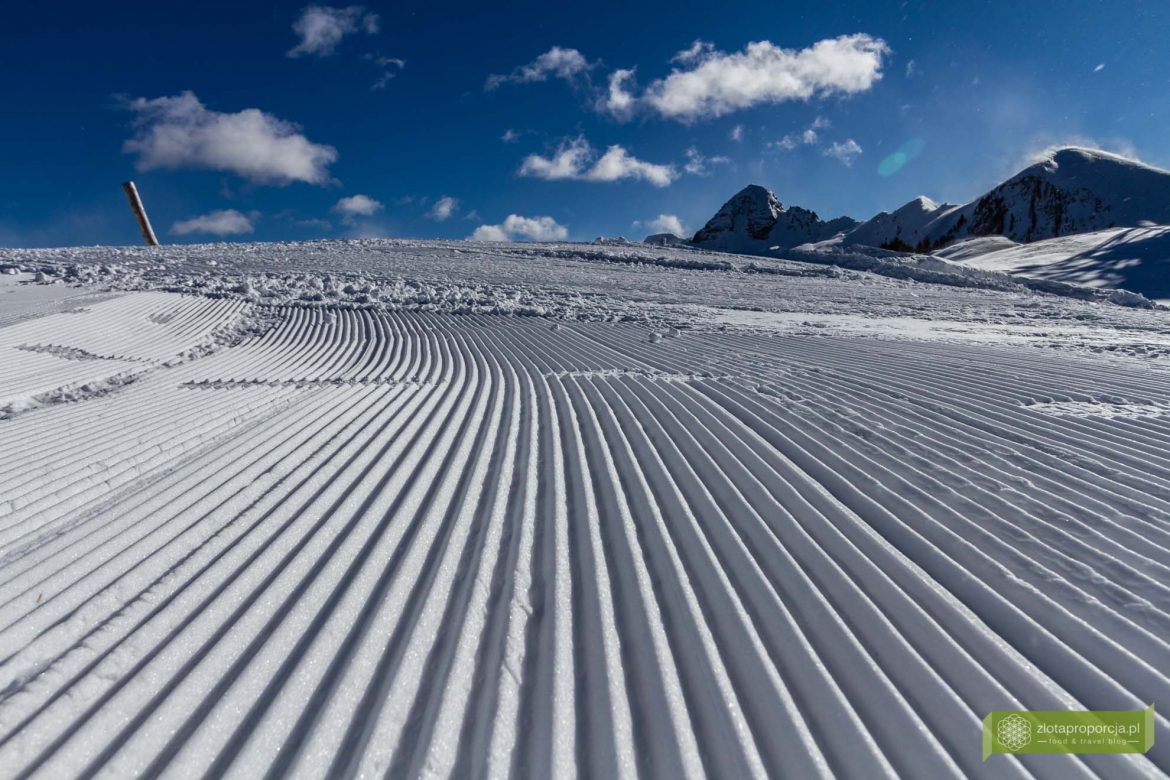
(140, 213)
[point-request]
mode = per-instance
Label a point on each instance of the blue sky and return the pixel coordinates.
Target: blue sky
(266, 121)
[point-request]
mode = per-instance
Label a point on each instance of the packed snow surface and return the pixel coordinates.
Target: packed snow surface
(424, 508)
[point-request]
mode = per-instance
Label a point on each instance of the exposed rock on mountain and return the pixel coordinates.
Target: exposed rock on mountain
(754, 221)
(1070, 191)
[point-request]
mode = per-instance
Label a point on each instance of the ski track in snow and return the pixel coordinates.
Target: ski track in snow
(413, 543)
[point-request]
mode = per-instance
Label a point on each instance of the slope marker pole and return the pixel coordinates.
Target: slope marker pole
(140, 213)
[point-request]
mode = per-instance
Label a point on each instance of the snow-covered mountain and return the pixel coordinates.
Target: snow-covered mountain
(754, 221)
(907, 228)
(1071, 191)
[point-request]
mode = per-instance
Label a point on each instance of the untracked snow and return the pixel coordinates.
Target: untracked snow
(1136, 258)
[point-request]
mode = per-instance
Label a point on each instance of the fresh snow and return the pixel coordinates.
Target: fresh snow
(1135, 259)
(416, 508)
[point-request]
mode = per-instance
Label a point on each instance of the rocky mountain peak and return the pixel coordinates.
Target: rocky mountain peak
(754, 219)
(752, 211)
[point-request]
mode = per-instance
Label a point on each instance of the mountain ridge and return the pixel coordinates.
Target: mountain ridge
(1069, 191)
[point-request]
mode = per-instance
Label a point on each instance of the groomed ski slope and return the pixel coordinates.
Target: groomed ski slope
(259, 539)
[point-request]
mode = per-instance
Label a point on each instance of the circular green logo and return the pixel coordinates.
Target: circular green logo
(1014, 732)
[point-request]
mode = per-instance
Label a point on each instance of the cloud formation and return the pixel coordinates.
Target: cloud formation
(699, 165)
(618, 101)
(389, 66)
(667, 223)
(556, 62)
(356, 206)
(845, 151)
(443, 209)
(180, 132)
(518, 228)
(574, 159)
(321, 28)
(227, 222)
(714, 83)
(694, 53)
(809, 136)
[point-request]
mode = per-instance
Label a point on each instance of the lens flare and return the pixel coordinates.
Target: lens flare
(896, 161)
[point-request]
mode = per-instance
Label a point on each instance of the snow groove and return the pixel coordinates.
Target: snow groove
(424, 544)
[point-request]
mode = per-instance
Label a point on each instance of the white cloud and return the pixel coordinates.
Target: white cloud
(556, 62)
(736, 133)
(617, 163)
(792, 140)
(356, 206)
(572, 161)
(179, 132)
(667, 223)
(321, 28)
(568, 162)
(385, 62)
(696, 51)
(719, 83)
(444, 207)
(517, 228)
(227, 222)
(618, 101)
(490, 233)
(844, 151)
(698, 165)
(389, 67)
(807, 137)
(510, 136)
